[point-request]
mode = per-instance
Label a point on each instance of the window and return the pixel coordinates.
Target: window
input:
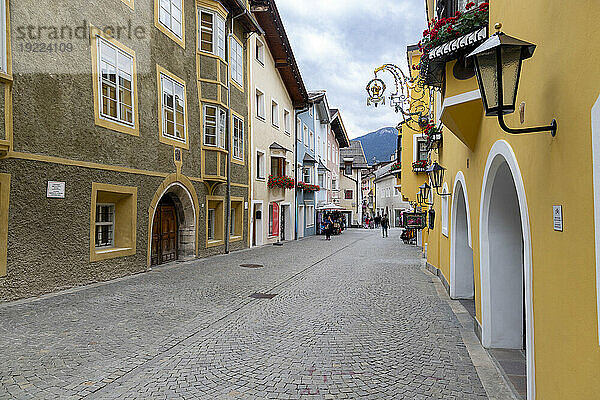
(277, 166)
(310, 215)
(275, 113)
(305, 136)
(173, 109)
(3, 39)
(113, 221)
(215, 221)
(311, 141)
(307, 175)
(260, 165)
(237, 62)
(105, 225)
(260, 104)
(422, 149)
(334, 183)
(321, 180)
(238, 138)
(212, 32)
(215, 125)
(396, 192)
(170, 15)
(260, 52)
(211, 224)
(348, 195)
(444, 206)
(237, 219)
(287, 122)
(298, 129)
(348, 168)
(115, 83)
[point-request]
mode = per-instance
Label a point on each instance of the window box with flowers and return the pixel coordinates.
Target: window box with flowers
(396, 168)
(420, 166)
(434, 136)
(451, 38)
(308, 188)
(282, 182)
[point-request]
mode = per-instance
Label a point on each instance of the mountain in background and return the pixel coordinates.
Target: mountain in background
(380, 144)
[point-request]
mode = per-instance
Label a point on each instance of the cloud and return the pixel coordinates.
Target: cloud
(338, 44)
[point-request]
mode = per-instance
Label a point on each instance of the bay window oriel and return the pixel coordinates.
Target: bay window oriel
(212, 32)
(215, 126)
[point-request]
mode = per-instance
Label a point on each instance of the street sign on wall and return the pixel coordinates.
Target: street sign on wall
(55, 190)
(558, 218)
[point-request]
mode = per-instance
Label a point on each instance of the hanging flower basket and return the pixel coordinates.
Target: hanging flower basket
(446, 29)
(420, 166)
(283, 182)
(396, 167)
(308, 188)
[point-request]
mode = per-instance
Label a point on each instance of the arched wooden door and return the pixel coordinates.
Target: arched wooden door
(164, 233)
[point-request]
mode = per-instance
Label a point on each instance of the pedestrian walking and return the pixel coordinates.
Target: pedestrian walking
(328, 227)
(385, 223)
(377, 221)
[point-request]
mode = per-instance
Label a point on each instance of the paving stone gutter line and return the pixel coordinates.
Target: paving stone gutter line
(492, 378)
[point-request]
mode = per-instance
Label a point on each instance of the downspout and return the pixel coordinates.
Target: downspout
(229, 133)
(251, 151)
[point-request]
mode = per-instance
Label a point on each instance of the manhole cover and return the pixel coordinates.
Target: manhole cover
(262, 295)
(251, 265)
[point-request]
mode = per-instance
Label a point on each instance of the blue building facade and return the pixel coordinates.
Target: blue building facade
(307, 123)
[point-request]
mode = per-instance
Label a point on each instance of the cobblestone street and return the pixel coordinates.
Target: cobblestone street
(357, 317)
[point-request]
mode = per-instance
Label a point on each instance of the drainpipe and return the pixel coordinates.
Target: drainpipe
(228, 138)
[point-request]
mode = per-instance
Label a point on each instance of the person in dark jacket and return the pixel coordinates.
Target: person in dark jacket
(377, 221)
(385, 223)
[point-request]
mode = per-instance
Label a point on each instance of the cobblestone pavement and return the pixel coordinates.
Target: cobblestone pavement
(356, 317)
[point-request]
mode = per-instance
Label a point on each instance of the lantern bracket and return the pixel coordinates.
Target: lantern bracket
(552, 127)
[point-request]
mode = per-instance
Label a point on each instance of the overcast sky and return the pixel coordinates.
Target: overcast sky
(338, 44)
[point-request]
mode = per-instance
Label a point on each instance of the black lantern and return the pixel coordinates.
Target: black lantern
(419, 198)
(498, 68)
(424, 191)
(436, 175)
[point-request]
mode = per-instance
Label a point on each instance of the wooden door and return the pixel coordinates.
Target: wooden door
(164, 235)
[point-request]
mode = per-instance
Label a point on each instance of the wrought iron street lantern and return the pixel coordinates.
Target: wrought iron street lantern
(424, 191)
(498, 68)
(436, 175)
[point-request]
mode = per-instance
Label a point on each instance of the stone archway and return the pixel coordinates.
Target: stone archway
(505, 259)
(462, 284)
(179, 193)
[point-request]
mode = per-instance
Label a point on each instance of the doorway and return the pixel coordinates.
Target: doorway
(506, 269)
(286, 222)
(164, 232)
(257, 225)
(172, 233)
(300, 222)
(462, 283)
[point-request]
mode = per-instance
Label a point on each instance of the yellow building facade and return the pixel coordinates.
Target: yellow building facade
(499, 235)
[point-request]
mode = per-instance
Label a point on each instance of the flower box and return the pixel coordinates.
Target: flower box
(448, 38)
(396, 167)
(420, 166)
(434, 136)
(283, 182)
(308, 188)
